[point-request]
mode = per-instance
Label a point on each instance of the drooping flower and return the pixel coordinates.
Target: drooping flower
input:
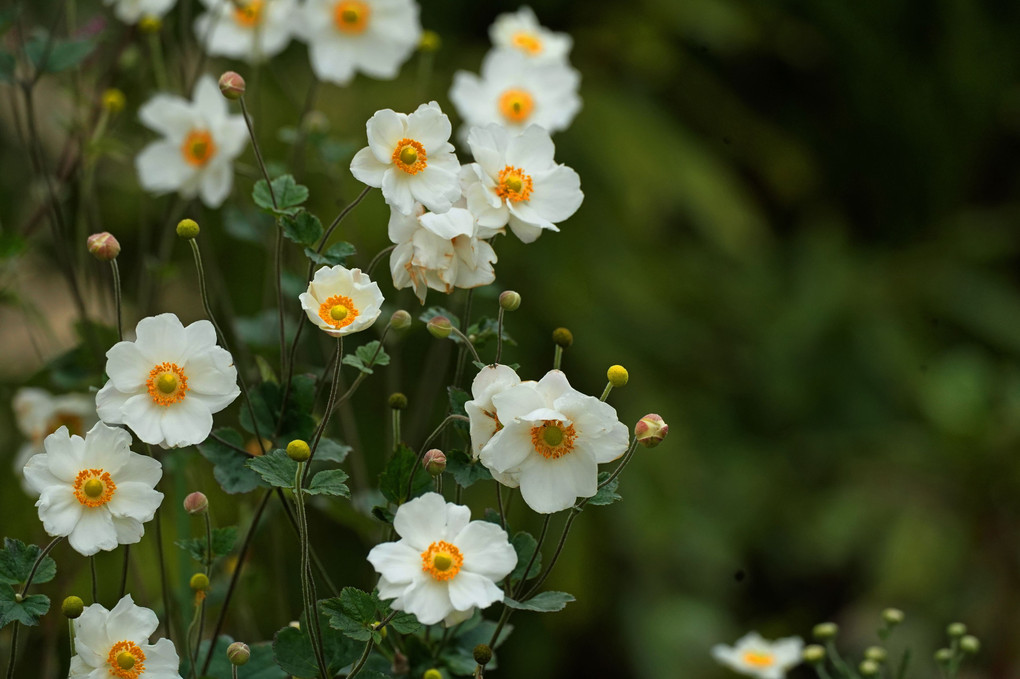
(373, 37)
(552, 440)
(760, 657)
(252, 30)
(521, 31)
(200, 141)
(444, 565)
(130, 11)
(439, 251)
(515, 181)
(95, 491)
(116, 644)
(341, 301)
(410, 157)
(515, 91)
(38, 414)
(167, 383)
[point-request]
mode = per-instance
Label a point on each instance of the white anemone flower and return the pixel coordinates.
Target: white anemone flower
(95, 491)
(116, 644)
(344, 37)
(521, 31)
(166, 385)
(38, 414)
(444, 566)
(758, 657)
(552, 440)
(131, 11)
(441, 251)
(515, 91)
(516, 181)
(200, 141)
(341, 301)
(410, 157)
(483, 422)
(252, 30)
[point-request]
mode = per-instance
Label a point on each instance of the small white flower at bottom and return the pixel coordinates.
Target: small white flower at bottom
(758, 657)
(116, 644)
(444, 566)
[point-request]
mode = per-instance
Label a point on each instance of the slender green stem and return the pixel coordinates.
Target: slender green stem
(309, 601)
(557, 357)
(574, 511)
(499, 335)
(466, 322)
(164, 586)
(14, 650)
(534, 555)
(70, 634)
(363, 659)
(117, 299)
(499, 626)
(158, 64)
(233, 671)
(38, 562)
(605, 392)
(95, 580)
(395, 417)
(190, 642)
(311, 549)
(124, 572)
(378, 257)
(468, 344)
(822, 672)
(208, 542)
(336, 222)
(425, 446)
(333, 389)
(619, 468)
(837, 659)
(499, 503)
(258, 151)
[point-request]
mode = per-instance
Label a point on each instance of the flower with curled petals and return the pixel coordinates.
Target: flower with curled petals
(521, 31)
(341, 301)
(116, 644)
(252, 30)
(410, 157)
(758, 657)
(167, 383)
(444, 566)
(95, 491)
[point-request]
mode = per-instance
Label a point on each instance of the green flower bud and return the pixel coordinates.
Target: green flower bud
(103, 246)
(956, 630)
(397, 401)
(400, 320)
(970, 644)
(430, 41)
(432, 673)
(232, 85)
(298, 450)
(892, 616)
(482, 654)
(377, 628)
(187, 229)
(238, 653)
(72, 607)
(876, 653)
(869, 668)
(825, 630)
(113, 100)
(509, 300)
(813, 654)
(562, 337)
(617, 375)
(199, 582)
(439, 327)
(943, 656)
(434, 462)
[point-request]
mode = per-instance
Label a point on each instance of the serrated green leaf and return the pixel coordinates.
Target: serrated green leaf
(223, 540)
(275, 468)
(27, 611)
(17, 559)
(329, 482)
(353, 613)
(466, 472)
(395, 476)
(606, 495)
(229, 464)
(293, 650)
(288, 193)
(331, 450)
(303, 228)
(335, 254)
(525, 545)
(367, 357)
(484, 330)
(545, 602)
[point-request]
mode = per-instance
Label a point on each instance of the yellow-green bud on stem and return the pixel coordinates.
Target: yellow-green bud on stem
(562, 337)
(430, 41)
(232, 85)
(813, 654)
(199, 582)
(397, 401)
(650, 430)
(509, 300)
(187, 229)
(400, 320)
(103, 246)
(482, 654)
(298, 450)
(617, 376)
(72, 607)
(380, 630)
(434, 462)
(113, 100)
(150, 24)
(892, 616)
(869, 668)
(238, 653)
(432, 673)
(196, 503)
(970, 644)
(876, 653)
(956, 630)
(824, 631)
(943, 656)
(439, 327)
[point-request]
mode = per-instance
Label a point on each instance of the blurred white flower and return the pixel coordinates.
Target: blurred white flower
(760, 657)
(347, 36)
(38, 414)
(411, 158)
(341, 301)
(116, 644)
(552, 440)
(252, 30)
(444, 565)
(521, 31)
(200, 141)
(166, 385)
(95, 491)
(515, 91)
(441, 251)
(130, 11)
(515, 181)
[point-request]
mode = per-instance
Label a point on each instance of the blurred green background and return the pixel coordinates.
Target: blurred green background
(800, 235)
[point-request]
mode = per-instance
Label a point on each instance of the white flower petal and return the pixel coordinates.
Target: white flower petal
(468, 590)
(93, 532)
(398, 562)
(487, 550)
(428, 600)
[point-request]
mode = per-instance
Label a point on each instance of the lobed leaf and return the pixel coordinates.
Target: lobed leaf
(17, 559)
(544, 602)
(229, 467)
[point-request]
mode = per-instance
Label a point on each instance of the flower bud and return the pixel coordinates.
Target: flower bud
(199, 582)
(825, 630)
(439, 327)
(397, 401)
(196, 503)
(970, 644)
(432, 673)
(150, 24)
(434, 462)
(113, 100)
(380, 628)
(238, 653)
(892, 616)
(813, 654)
(103, 246)
(482, 654)
(430, 41)
(943, 656)
(232, 85)
(876, 653)
(72, 607)
(650, 430)
(869, 668)
(563, 337)
(298, 450)
(509, 300)
(400, 320)
(956, 630)
(401, 665)
(617, 375)
(187, 229)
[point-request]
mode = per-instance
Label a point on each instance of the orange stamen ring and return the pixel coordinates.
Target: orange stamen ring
(442, 560)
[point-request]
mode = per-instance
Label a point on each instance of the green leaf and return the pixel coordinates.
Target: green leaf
(16, 560)
(58, 55)
(485, 330)
(404, 623)
(466, 472)
(293, 650)
(545, 602)
(525, 545)
(26, 611)
(266, 400)
(331, 450)
(288, 193)
(223, 540)
(458, 397)
(384, 514)
(606, 495)
(395, 476)
(353, 613)
(337, 253)
(367, 356)
(261, 664)
(329, 482)
(434, 311)
(229, 467)
(275, 468)
(303, 228)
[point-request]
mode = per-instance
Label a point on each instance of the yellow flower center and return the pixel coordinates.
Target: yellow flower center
(552, 439)
(198, 148)
(249, 14)
(527, 42)
(338, 311)
(93, 487)
(516, 105)
(167, 384)
(351, 16)
(759, 659)
(513, 184)
(126, 660)
(441, 560)
(410, 156)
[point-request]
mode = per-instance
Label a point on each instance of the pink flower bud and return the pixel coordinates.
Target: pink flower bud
(439, 327)
(103, 246)
(650, 430)
(232, 85)
(434, 462)
(196, 503)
